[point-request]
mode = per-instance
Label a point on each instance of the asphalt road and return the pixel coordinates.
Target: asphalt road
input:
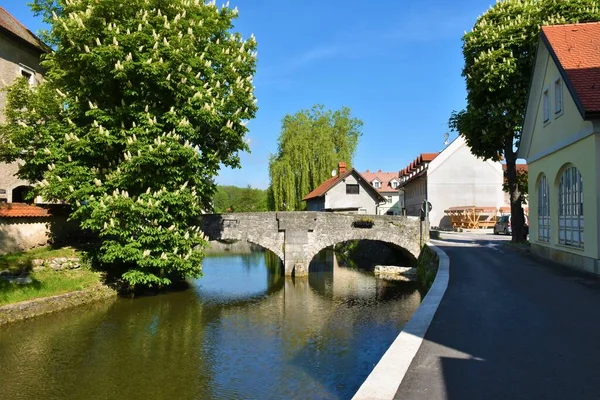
(509, 327)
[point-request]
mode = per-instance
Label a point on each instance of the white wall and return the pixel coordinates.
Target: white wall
(394, 206)
(457, 178)
(336, 197)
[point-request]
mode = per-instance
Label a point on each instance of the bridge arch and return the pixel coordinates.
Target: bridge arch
(348, 237)
(255, 242)
(296, 237)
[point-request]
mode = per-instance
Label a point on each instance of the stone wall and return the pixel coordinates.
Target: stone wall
(14, 57)
(296, 237)
(21, 234)
(33, 308)
(216, 247)
(9, 180)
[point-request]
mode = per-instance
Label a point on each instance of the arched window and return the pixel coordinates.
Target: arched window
(570, 208)
(543, 209)
(20, 194)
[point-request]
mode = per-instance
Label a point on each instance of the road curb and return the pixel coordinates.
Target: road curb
(385, 379)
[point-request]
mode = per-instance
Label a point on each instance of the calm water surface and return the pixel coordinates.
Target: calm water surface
(240, 332)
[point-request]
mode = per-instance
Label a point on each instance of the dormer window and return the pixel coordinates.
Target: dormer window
(376, 184)
(394, 184)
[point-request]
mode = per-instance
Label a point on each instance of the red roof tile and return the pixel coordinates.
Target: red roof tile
(422, 158)
(325, 186)
(520, 167)
(576, 50)
(331, 182)
(384, 177)
(12, 25)
(20, 210)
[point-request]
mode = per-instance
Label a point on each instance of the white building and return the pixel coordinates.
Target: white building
(348, 192)
(387, 184)
(452, 178)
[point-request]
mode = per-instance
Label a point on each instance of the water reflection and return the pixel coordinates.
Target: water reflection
(243, 331)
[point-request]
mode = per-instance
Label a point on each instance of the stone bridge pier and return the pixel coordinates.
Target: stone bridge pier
(296, 237)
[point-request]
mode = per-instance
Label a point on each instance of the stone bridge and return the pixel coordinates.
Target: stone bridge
(296, 237)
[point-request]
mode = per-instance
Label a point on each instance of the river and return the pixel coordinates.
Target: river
(242, 331)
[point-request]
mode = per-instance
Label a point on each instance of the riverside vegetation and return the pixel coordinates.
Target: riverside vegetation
(42, 282)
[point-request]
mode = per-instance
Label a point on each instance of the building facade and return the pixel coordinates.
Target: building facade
(347, 192)
(561, 142)
(20, 52)
(387, 184)
(452, 178)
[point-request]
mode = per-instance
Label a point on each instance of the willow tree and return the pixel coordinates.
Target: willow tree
(142, 103)
(310, 145)
(499, 55)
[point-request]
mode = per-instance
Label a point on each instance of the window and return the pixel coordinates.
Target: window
(352, 189)
(27, 73)
(394, 184)
(388, 199)
(558, 96)
(546, 104)
(543, 210)
(570, 208)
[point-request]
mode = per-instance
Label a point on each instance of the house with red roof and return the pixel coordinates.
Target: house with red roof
(346, 191)
(386, 183)
(452, 179)
(20, 52)
(561, 143)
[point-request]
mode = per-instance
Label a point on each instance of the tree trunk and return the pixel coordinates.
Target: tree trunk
(517, 216)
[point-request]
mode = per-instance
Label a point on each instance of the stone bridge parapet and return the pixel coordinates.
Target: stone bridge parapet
(296, 237)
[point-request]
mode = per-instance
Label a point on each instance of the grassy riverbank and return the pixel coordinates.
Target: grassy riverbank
(45, 282)
(16, 262)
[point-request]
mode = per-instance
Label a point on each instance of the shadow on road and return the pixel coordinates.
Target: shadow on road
(510, 326)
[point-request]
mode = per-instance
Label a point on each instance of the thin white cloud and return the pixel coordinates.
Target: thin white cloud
(410, 29)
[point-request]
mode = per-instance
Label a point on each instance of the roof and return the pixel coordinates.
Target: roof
(574, 48)
(416, 164)
(331, 182)
(14, 27)
(20, 210)
(520, 168)
(384, 177)
(422, 158)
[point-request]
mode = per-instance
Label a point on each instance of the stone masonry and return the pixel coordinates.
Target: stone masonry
(296, 237)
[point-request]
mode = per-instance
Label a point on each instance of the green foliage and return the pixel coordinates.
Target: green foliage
(236, 199)
(48, 282)
(522, 184)
(21, 261)
(144, 100)
(427, 266)
(310, 145)
(499, 55)
(364, 222)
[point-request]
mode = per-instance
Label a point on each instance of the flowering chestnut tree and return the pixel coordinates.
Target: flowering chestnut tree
(142, 103)
(499, 55)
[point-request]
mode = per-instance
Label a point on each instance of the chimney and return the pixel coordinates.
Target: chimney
(341, 167)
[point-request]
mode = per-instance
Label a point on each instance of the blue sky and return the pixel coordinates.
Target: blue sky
(396, 63)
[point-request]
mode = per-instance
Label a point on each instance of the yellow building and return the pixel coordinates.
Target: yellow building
(561, 143)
